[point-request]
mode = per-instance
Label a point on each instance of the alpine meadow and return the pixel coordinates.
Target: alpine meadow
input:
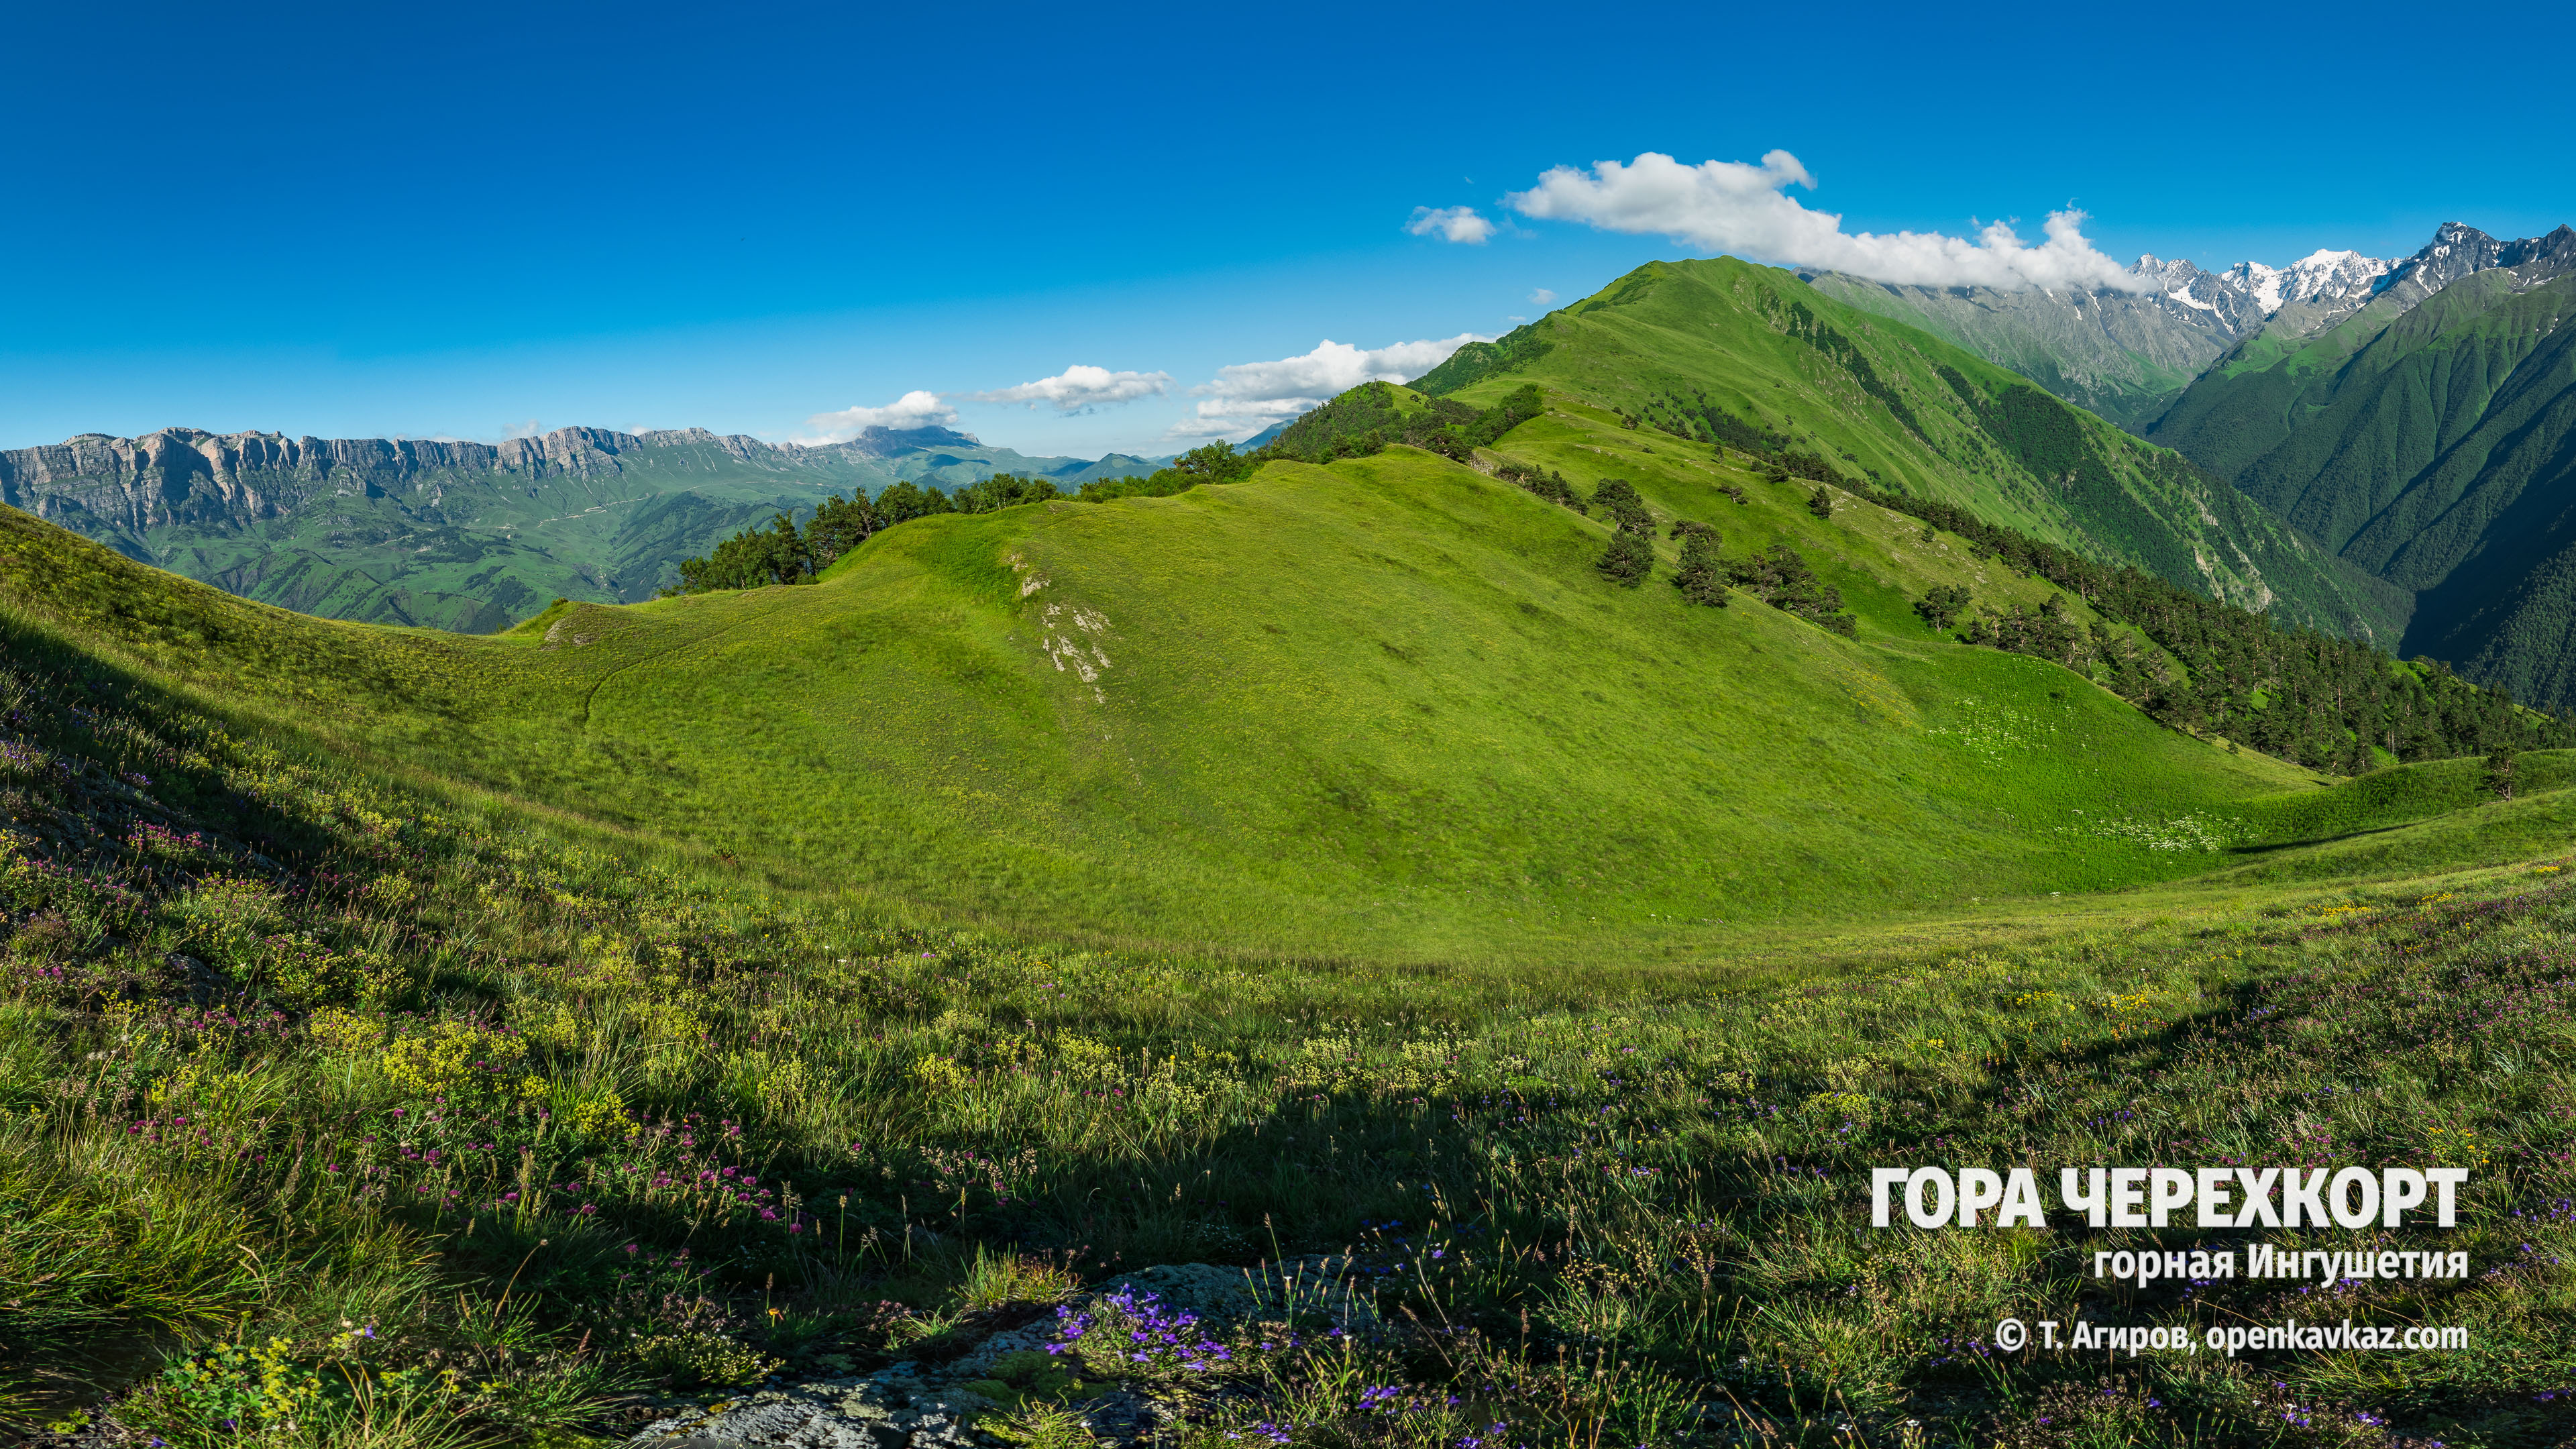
(1417, 934)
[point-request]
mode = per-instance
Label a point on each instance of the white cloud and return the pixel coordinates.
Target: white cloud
(1249, 396)
(1543, 297)
(529, 429)
(915, 409)
(1080, 389)
(1454, 223)
(1728, 206)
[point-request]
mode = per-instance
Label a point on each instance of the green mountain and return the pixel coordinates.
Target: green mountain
(2127, 350)
(2432, 445)
(1724, 350)
(1390, 707)
(464, 536)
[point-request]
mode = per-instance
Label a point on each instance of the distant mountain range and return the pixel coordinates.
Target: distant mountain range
(2127, 353)
(466, 536)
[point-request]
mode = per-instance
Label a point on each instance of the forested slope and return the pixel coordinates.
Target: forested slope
(2434, 447)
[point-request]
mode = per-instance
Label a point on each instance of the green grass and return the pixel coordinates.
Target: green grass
(1329, 860)
(1621, 1190)
(1384, 710)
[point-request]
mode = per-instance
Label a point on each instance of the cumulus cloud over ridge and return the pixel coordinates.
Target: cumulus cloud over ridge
(1080, 388)
(915, 409)
(1730, 206)
(1249, 396)
(1454, 223)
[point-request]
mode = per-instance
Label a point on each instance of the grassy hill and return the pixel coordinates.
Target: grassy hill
(434, 1041)
(1681, 343)
(1383, 709)
(2432, 447)
(344, 1104)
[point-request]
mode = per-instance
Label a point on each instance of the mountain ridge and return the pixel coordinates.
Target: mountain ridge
(1728, 351)
(466, 535)
(2127, 354)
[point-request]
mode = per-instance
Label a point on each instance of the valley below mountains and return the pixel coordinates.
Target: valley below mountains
(465, 536)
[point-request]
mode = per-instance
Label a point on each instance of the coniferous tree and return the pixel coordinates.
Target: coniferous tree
(1702, 577)
(905, 501)
(1780, 577)
(1944, 604)
(1629, 558)
(1618, 501)
(2498, 776)
(754, 558)
(1821, 502)
(839, 526)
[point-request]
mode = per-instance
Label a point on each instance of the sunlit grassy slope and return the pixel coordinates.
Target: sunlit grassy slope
(1924, 416)
(1385, 709)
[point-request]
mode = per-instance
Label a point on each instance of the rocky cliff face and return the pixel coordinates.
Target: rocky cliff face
(186, 475)
(465, 536)
(2458, 251)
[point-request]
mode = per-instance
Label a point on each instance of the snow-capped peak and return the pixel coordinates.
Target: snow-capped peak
(2256, 290)
(2325, 275)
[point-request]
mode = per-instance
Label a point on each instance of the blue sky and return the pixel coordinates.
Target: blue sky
(461, 220)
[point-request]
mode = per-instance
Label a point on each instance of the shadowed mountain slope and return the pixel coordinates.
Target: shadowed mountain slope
(2433, 445)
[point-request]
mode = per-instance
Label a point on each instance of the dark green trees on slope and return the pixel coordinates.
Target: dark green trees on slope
(1753, 359)
(1369, 417)
(2436, 449)
(1743, 359)
(2323, 701)
(778, 552)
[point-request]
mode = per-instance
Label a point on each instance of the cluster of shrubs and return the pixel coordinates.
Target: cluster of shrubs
(1778, 576)
(1367, 420)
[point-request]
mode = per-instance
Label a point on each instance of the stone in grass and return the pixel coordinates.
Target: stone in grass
(933, 1406)
(1322, 1286)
